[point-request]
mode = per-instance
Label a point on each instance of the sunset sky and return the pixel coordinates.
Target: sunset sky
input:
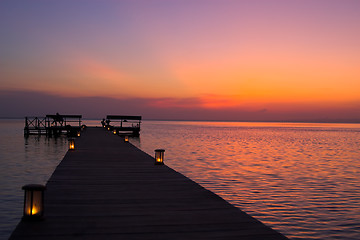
(247, 60)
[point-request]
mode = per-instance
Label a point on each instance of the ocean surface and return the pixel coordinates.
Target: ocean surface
(302, 179)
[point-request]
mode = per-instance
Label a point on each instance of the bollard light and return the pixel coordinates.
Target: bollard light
(159, 156)
(126, 139)
(78, 133)
(108, 128)
(71, 144)
(33, 201)
(114, 132)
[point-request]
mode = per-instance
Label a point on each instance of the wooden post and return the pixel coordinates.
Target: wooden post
(26, 129)
(38, 125)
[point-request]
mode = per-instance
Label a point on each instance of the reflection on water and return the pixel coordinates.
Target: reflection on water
(301, 179)
(23, 161)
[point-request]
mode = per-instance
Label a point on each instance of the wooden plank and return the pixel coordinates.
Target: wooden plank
(109, 189)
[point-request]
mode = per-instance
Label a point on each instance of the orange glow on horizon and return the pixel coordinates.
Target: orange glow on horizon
(236, 103)
(234, 56)
(272, 81)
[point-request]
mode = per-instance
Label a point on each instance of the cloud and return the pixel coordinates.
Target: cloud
(27, 103)
(99, 70)
(206, 101)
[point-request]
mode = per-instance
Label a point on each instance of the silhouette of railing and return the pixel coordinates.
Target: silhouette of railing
(53, 125)
(35, 125)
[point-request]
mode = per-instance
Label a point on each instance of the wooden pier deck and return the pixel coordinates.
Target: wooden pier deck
(109, 189)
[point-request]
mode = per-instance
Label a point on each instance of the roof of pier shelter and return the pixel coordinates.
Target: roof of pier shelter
(123, 117)
(64, 116)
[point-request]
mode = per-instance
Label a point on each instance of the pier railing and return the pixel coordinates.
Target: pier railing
(53, 125)
(35, 125)
(63, 120)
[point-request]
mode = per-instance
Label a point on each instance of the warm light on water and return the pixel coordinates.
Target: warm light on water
(23, 161)
(301, 179)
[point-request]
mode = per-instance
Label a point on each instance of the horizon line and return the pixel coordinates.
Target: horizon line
(349, 121)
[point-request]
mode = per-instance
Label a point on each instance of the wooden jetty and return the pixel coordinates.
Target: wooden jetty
(123, 124)
(109, 189)
(53, 125)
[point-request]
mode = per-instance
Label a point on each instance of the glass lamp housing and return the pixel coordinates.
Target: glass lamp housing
(33, 201)
(71, 144)
(159, 156)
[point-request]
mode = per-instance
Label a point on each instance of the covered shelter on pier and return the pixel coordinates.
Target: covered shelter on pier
(59, 123)
(122, 124)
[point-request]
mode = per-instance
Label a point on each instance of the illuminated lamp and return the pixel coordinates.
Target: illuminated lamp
(126, 139)
(33, 202)
(114, 131)
(159, 156)
(78, 133)
(71, 144)
(108, 128)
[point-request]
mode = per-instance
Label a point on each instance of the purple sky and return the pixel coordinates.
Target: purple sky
(179, 59)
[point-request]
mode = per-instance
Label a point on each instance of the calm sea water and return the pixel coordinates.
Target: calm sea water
(301, 179)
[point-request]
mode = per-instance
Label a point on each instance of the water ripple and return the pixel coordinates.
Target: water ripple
(301, 179)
